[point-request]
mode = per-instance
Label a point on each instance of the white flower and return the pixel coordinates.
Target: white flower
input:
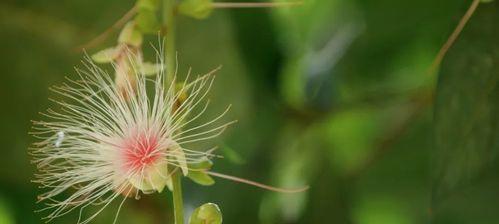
(106, 141)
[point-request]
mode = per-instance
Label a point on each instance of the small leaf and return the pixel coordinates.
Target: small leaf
(208, 213)
(198, 9)
(130, 35)
(106, 56)
(200, 177)
(466, 121)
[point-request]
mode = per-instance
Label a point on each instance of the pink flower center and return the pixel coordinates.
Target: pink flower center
(140, 151)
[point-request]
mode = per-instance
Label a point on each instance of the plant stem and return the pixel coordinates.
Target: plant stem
(170, 51)
(229, 5)
(170, 58)
(178, 204)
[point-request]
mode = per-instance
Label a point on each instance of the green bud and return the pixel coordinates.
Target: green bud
(130, 35)
(151, 5)
(147, 21)
(199, 9)
(208, 213)
(147, 18)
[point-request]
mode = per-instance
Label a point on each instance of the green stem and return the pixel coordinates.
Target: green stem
(170, 51)
(170, 58)
(178, 204)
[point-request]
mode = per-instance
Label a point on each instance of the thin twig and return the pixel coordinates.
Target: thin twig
(421, 100)
(256, 184)
(227, 5)
(452, 38)
(417, 107)
(118, 24)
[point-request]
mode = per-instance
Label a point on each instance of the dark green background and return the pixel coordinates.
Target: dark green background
(334, 94)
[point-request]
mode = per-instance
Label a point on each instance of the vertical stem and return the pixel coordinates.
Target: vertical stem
(170, 51)
(178, 204)
(170, 58)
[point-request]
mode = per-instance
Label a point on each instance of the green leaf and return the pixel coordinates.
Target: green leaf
(466, 108)
(107, 55)
(201, 177)
(130, 35)
(208, 213)
(199, 9)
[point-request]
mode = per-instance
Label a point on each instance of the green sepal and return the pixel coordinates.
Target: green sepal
(130, 35)
(148, 68)
(199, 9)
(107, 55)
(203, 165)
(208, 213)
(201, 177)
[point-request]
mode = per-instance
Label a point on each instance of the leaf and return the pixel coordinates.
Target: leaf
(198, 9)
(208, 213)
(466, 108)
(107, 55)
(130, 35)
(201, 177)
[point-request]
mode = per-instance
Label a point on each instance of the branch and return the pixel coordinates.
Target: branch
(103, 36)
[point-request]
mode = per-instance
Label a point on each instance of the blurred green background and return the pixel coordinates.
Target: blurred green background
(333, 93)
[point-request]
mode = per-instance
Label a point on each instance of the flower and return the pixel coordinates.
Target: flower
(107, 141)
